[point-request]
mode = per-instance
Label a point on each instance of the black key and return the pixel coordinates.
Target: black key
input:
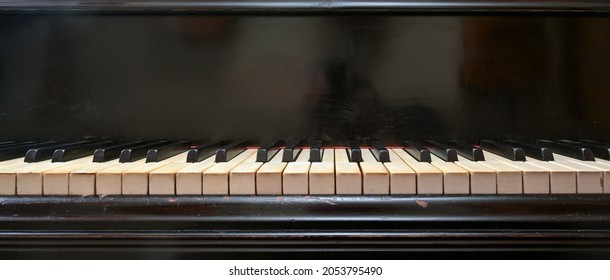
(9, 144)
(6, 142)
(44, 153)
(292, 151)
(112, 152)
(231, 150)
(503, 150)
(599, 150)
(595, 143)
(201, 152)
(567, 150)
(470, 152)
(532, 151)
(167, 151)
(13, 152)
(417, 151)
(316, 152)
(74, 152)
(353, 152)
(380, 152)
(139, 152)
(267, 151)
(441, 150)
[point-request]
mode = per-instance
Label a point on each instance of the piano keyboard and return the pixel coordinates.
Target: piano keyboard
(181, 168)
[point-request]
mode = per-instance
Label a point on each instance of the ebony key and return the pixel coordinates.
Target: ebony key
(316, 152)
(44, 153)
(380, 152)
(353, 152)
(18, 151)
(267, 151)
(139, 152)
(417, 151)
(71, 153)
(441, 150)
(112, 152)
(503, 150)
(231, 150)
(167, 151)
(470, 152)
(599, 150)
(539, 153)
(580, 153)
(201, 152)
(291, 151)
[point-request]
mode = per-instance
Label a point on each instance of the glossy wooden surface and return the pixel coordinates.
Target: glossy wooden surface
(419, 6)
(572, 226)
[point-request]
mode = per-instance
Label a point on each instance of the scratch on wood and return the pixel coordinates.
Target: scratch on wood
(421, 203)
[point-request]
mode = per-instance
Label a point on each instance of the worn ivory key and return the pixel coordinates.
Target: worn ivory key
(322, 174)
(189, 179)
(536, 180)
(347, 174)
(482, 178)
(456, 180)
(108, 181)
(135, 180)
(215, 180)
(269, 176)
(562, 179)
(82, 180)
(162, 181)
(375, 177)
(429, 178)
(296, 175)
(242, 178)
(403, 179)
(589, 174)
(8, 176)
(56, 181)
(30, 179)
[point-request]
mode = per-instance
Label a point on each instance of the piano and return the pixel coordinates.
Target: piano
(304, 129)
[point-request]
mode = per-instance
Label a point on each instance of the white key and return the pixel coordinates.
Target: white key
(589, 176)
(509, 179)
(482, 178)
(162, 181)
(135, 180)
(57, 180)
(536, 180)
(215, 180)
(82, 180)
(109, 181)
(8, 176)
(429, 178)
(347, 174)
(403, 179)
(30, 179)
(322, 174)
(242, 178)
(296, 175)
(375, 177)
(189, 179)
(563, 179)
(605, 166)
(456, 180)
(269, 176)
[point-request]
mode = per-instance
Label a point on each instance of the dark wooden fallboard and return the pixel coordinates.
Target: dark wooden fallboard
(557, 226)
